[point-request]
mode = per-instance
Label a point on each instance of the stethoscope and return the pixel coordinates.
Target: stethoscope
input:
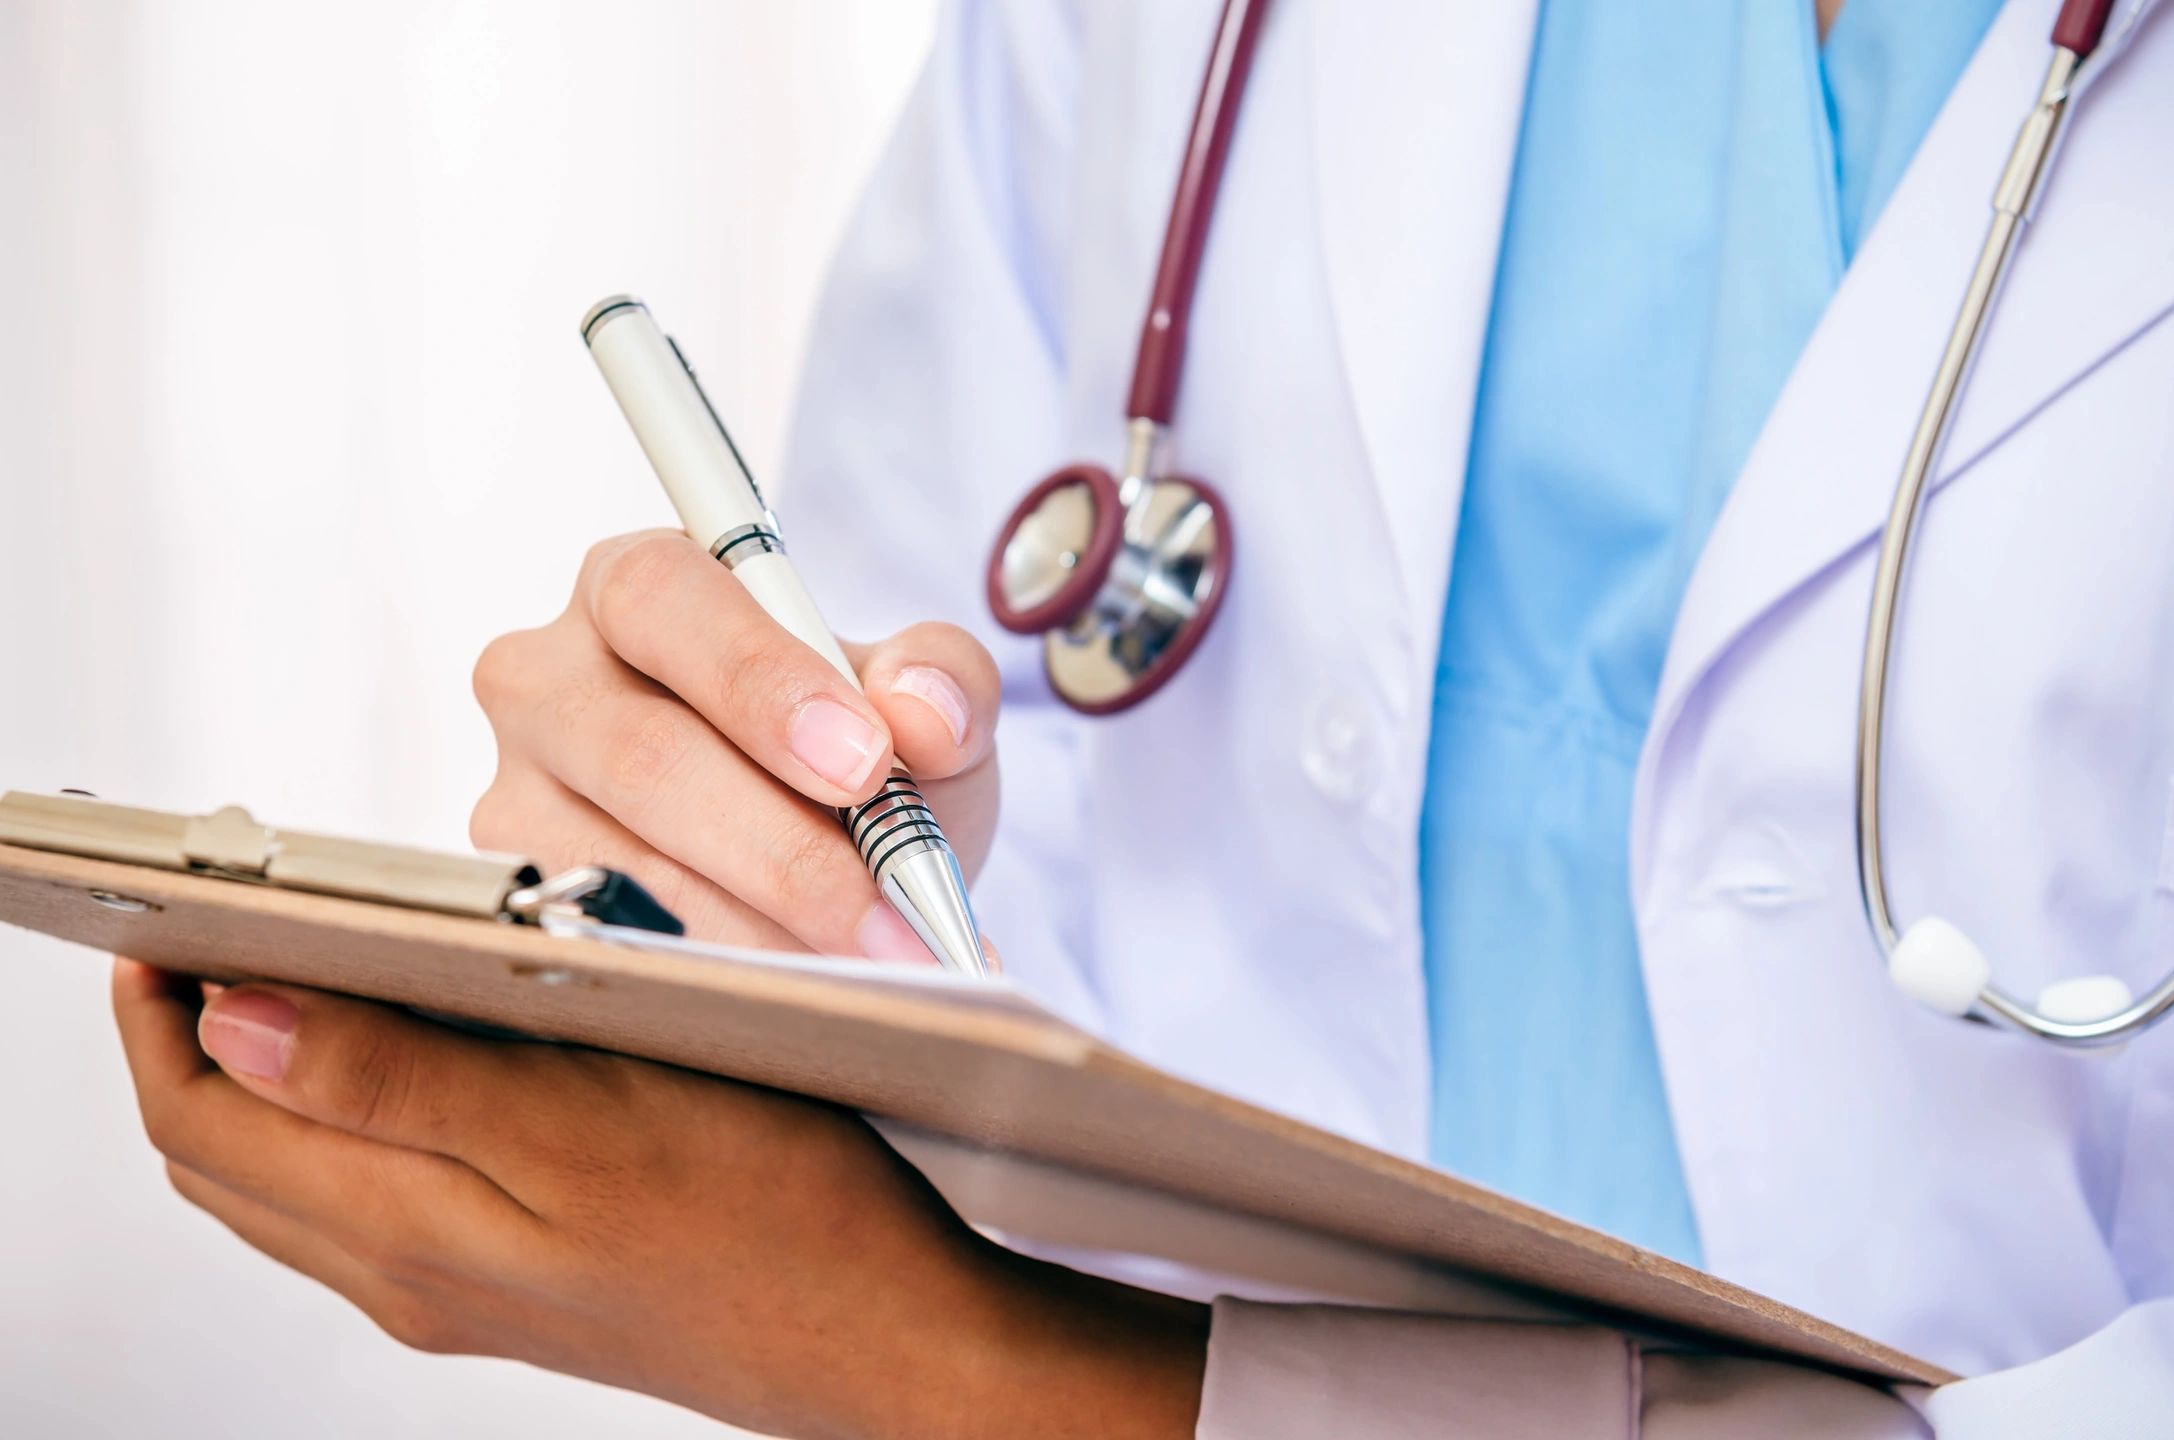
(1122, 576)
(1933, 960)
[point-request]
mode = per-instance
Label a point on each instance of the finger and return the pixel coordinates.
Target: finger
(385, 1298)
(528, 812)
(382, 1074)
(292, 1243)
(369, 1194)
(937, 690)
(156, 1013)
(667, 776)
(673, 613)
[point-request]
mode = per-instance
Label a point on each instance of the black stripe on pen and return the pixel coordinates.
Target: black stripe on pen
(920, 818)
(723, 550)
(598, 318)
(931, 834)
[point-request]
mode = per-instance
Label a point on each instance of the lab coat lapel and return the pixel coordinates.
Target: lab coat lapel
(2096, 268)
(1417, 114)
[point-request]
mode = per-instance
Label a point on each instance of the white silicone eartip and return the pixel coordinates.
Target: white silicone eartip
(2086, 997)
(1938, 965)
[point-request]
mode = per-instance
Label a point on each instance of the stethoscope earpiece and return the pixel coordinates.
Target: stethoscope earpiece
(1941, 968)
(1938, 966)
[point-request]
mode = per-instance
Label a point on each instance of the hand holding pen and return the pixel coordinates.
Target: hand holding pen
(667, 725)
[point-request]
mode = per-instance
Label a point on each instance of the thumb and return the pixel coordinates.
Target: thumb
(937, 689)
(373, 1070)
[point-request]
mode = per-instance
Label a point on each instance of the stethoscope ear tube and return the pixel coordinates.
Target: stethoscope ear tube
(1933, 960)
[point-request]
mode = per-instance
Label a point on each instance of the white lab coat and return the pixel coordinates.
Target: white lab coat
(1224, 880)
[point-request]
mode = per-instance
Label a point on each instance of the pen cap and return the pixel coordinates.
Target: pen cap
(686, 443)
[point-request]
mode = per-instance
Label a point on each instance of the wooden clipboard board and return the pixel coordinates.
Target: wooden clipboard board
(1025, 1122)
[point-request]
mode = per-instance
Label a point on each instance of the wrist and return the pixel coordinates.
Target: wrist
(1048, 1351)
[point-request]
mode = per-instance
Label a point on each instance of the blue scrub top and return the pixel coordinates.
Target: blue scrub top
(1692, 179)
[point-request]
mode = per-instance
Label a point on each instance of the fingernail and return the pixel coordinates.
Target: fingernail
(884, 935)
(252, 1032)
(836, 743)
(933, 688)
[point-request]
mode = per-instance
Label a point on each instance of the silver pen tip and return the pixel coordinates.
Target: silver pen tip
(929, 892)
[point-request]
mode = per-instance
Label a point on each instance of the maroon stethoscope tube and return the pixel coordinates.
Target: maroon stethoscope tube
(2080, 24)
(1162, 336)
(1155, 373)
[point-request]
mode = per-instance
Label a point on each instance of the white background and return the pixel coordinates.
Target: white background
(293, 418)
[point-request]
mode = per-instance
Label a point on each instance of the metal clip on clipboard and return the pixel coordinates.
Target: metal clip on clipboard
(230, 845)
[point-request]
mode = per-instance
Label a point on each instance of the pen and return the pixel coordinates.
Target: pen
(723, 510)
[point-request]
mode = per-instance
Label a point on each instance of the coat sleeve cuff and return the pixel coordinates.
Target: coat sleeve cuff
(2108, 1386)
(1301, 1372)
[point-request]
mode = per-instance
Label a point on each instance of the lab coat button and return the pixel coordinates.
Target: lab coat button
(1342, 753)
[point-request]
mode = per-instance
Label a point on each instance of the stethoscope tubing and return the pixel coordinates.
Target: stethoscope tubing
(1083, 596)
(2078, 32)
(1160, 363)
(1123, 597)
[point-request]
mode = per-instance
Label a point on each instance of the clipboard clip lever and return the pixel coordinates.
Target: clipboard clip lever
(592, 895)
(230, 844)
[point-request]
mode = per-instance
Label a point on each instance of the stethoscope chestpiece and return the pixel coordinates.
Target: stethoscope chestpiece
(1120, 579)
(1054, 552)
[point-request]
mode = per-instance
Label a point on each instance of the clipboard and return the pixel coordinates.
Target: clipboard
(1027, 1124)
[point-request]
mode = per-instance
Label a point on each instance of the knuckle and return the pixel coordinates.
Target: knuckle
(491, 824)
(566, 702)
(417, 1322)
(806, 870)
(629, 579)
(745, 680)
(600, 554)
(609, 1162)
(647, 748)
(499, 670)
(593, 558)
(185, 1182)
(165, 1126)
(758, 677)
(372, 1086)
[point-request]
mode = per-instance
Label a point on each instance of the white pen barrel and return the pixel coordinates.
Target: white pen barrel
(777, 587)
(685, 442)
(718, 503)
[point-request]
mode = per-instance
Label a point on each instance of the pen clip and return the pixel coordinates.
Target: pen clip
(718, 420)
